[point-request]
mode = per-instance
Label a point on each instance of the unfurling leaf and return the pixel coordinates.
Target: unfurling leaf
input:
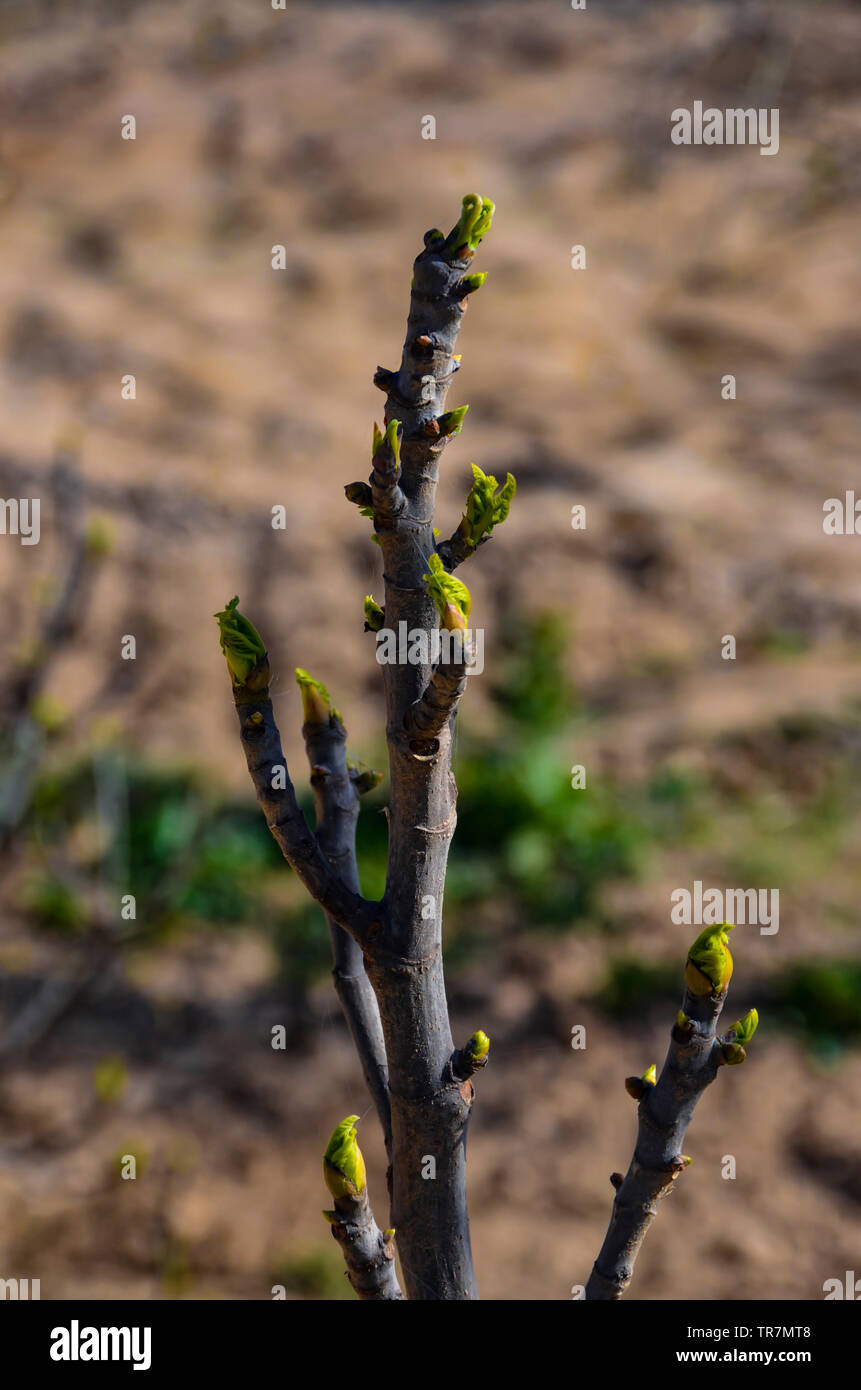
(487, 505)
(391, 438)
(243, 648)
(450, 595)
(474, 223)
(452, 421)
(733, 1049)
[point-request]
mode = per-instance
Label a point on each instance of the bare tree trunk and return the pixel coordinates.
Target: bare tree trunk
(420, 1083)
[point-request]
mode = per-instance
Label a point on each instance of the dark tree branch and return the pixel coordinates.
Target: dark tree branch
(430, 1106)
(261, 743)
(369, 1253)
(430, 1090)
(454, 551)
(336, 797)
(438, 701)
(664, 1114)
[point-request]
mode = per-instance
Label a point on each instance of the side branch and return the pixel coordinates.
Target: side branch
(664, 1114)
(369, 1253)
(453, 552)
(435, 706)
(261, 743)
(388, 501)
(337, 794)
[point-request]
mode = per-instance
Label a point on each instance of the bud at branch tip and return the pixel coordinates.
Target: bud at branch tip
(243, 648)
(317, 707)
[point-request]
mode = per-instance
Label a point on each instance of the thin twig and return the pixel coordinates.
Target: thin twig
(337, 796)
(261, 742)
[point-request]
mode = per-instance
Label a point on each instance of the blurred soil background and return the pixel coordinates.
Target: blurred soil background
(599, 387)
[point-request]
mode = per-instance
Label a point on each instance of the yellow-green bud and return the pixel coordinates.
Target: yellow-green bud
(637, 1086)
(709, 965)
(343, 1164)
(470, 283)
(452, 421)
(745, 1028)
(375, 616)
(317, 705)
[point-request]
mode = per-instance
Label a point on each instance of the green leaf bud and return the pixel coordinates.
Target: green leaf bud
(375, 617)
(343, 1164)
(451, 422)
(243, 648)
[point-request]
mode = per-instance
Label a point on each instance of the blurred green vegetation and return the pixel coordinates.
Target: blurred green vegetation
(314, 1273)
(777, 807)
(820, 1001)
(634, 990)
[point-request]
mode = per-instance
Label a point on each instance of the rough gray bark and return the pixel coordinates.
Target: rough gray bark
(432, 711)
(261, 743)
(369, 1253)
(430, 1104)
(664, 1114)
